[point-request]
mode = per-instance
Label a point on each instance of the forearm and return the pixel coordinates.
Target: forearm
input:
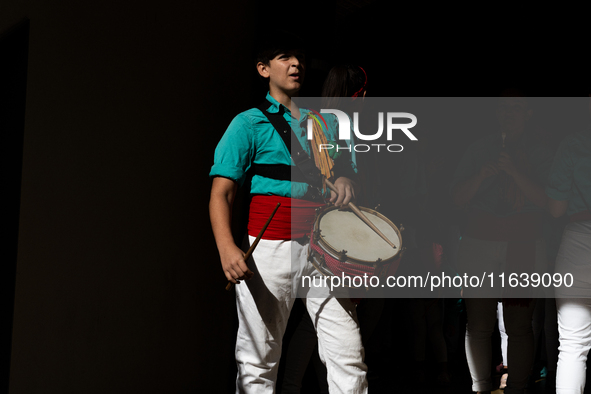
(220, 213)
(223, 191)
(465, 191)
(221, 218)
(532, 190)
(557, 208)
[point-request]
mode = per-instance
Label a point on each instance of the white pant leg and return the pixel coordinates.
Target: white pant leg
(339, 343)
(264, 304)
(479, 329)
(504, 337)
(574, 327)
(481, 320)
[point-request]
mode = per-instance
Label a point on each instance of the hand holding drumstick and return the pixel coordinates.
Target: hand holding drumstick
(256, 241)
(360, 214)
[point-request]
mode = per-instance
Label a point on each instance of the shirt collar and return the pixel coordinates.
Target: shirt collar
(274, 108)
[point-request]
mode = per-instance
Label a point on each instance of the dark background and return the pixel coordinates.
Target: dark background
(112, 111)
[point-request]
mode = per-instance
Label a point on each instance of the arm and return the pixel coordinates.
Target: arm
(557, 208)
(561, 180)
(465, 191)
(346, 179)
(223, 191)
(532, 190)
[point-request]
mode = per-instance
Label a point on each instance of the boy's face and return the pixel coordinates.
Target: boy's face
(513, 113)
(285, 72)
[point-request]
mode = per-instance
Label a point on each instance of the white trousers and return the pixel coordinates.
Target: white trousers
(574, 326)
(504, 336)
(520, 353)
(574, 314)
(475, 257)
(264, 304)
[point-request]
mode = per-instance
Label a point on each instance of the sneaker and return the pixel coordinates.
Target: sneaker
(504, 381)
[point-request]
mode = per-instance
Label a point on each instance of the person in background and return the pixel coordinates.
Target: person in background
(569, 191)
(500, 182)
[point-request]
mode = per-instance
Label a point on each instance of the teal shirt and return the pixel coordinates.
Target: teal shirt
(488, 197)
(570, 175)
(250, 138)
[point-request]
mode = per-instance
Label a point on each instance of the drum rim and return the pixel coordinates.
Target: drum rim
(335, 253)
(325, 271)
(318, 265)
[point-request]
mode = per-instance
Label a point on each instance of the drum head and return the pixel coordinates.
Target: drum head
(343, 230)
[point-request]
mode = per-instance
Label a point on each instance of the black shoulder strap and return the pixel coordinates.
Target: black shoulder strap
(302, 161)
(281, 125)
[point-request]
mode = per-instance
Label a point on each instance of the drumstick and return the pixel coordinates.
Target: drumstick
(256, 241)
(361, 215)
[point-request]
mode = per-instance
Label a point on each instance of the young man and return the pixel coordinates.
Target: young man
(500, 179)
(569, 191)
(265, 298)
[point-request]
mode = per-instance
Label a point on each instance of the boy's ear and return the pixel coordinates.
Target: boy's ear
(263, 69)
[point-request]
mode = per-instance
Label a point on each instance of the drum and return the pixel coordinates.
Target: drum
(342, 244)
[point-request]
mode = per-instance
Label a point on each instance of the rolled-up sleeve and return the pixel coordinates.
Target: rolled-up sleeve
(560, 180)
(235, 151)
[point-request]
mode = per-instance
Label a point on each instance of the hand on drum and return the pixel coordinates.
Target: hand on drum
(346, 192)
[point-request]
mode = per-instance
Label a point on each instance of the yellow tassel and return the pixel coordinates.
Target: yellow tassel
(321, 158)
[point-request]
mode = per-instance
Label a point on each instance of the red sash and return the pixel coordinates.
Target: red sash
(582, 216)
(293, 219)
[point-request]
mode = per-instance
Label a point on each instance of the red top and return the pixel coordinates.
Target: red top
(582, 216)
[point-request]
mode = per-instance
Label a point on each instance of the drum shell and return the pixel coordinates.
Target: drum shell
(328, 261)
